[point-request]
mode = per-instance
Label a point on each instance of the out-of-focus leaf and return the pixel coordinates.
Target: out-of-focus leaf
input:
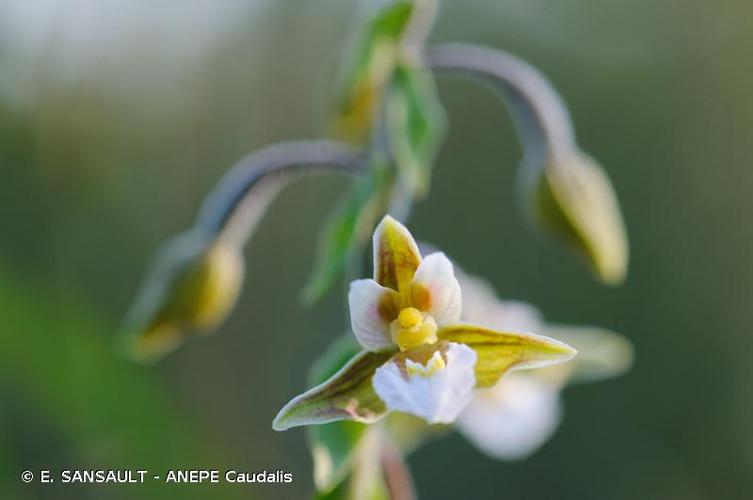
(347, 395)
(416, 125)
(100, 407)
(332, 445)
(369, 69)
(366, 479)
(347, 230)
(499, 352)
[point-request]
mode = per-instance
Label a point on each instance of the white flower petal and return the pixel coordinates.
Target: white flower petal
(435, 274)
(481, 306)
(438, 397)
(369, 304)
(514, 418)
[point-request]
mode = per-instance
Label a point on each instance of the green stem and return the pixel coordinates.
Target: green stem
(235, 205)
(540, 115)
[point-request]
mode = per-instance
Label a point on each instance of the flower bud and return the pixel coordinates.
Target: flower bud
(572, 197)
(191, 288)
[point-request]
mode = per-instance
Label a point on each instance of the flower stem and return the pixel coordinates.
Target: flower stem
(396, 473)
(539, 113)
(235, 205)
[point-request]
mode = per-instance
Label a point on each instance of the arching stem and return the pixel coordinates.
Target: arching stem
(235, 205)
(539, 113)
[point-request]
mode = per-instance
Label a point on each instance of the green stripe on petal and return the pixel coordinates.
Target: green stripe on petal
(396, 255)
(500, 352)
(347, 395)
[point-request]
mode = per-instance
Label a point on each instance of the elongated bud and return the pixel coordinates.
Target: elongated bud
(190, 290)
(566, 192)
(196, 278)
(572, 198)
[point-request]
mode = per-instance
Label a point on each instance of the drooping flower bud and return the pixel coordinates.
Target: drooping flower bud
(572, 198)
(190, 289)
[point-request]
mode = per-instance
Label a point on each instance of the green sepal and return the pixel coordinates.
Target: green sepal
(500, 352)
(347, 395)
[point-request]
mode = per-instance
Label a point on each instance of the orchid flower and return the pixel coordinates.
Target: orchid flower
(520, 413)
(417, 357)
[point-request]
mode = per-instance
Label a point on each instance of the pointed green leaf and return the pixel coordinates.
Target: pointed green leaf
(347, 231)
(347, 395)
(370, 68)
(499, 352)
(415, 125)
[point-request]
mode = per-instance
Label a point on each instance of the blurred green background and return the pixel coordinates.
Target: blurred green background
(117, 117)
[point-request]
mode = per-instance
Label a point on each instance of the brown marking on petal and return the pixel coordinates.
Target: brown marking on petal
(396, 259)
(388, 307)
(420, 297)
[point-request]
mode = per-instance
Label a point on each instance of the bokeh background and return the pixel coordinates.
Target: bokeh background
(117, 117)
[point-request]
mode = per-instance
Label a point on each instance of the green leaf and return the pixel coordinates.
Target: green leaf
(347, 230)
(332, 445)
(71, 398)
(500, 352)
(366, 478)
(416, 125)
(347, 395)
(370, 68)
